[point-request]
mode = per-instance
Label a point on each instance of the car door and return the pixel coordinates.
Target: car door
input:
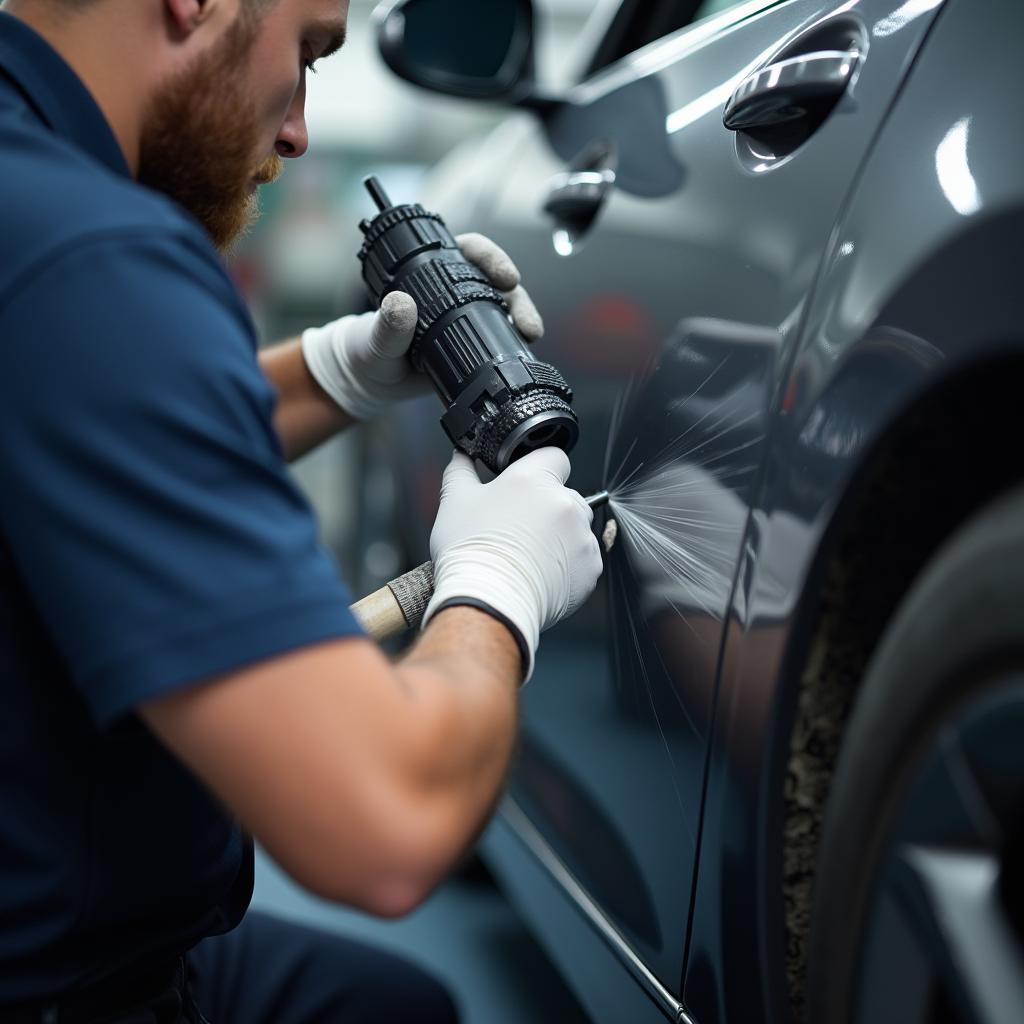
(672, 258)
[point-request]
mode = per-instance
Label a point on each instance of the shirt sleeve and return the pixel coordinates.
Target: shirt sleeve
(143, 492)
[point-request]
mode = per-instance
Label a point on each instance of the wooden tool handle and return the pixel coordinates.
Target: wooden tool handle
(399, 606)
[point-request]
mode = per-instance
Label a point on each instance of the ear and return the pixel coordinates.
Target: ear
(187, 15)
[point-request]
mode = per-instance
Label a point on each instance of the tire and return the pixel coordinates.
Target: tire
(945, 664)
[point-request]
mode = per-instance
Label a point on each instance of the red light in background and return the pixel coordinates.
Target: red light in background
(609, 335)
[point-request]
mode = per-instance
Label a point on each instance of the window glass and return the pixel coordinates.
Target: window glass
(710, 7)
(639, 22)
(654, 19)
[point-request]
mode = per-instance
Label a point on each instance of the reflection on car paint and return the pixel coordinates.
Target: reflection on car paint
(631, 123)
(682, 510)
(955, 177)
(707, 103)
(547, 792)
(638, 738)
(903, 16)
(608, 335)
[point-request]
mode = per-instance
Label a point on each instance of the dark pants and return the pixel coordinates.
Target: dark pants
(269, 971)
(266, 971)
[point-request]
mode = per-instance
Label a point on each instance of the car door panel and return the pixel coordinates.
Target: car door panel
(689, 285)
(918, 298)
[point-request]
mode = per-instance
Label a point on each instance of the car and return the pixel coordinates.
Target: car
(774, 771)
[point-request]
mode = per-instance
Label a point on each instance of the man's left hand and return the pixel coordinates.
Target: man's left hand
(360, 361)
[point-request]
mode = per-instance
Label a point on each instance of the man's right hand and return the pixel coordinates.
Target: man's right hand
(520, 547)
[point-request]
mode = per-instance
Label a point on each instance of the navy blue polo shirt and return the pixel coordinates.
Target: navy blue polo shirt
(150, 538)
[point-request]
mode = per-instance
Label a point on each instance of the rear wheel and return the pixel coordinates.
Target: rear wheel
(919, 895)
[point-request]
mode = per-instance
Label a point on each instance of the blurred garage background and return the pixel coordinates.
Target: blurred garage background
(298, 268)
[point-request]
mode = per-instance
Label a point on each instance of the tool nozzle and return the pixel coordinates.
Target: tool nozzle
(377, 193)
(599, 500)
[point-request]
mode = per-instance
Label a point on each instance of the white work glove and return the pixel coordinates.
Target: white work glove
(360, 361)
(520, 547)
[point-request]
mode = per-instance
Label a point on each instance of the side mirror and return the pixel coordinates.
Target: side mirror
(476, 49)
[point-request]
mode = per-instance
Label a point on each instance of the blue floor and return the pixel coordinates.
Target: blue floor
(466, 934)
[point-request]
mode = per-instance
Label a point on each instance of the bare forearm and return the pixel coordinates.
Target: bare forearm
(366, 780)
(473, 661)
(305, 416)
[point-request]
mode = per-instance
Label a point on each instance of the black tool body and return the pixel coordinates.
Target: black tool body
(500, 402)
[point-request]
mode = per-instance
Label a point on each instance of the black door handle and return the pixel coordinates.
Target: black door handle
(798, 88)
(576, 198)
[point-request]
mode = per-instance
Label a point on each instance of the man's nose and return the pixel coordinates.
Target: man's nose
(293, 138)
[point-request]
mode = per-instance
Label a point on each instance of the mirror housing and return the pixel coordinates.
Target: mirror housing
(474, 49)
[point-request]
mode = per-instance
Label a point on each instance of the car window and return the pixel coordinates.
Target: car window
(639, 22)
(710, 7)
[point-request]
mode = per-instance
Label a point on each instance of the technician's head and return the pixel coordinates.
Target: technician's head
(206, 96)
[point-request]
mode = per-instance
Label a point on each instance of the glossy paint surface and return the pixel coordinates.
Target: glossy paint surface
(686, 288)
(918, 287)
(742, 321)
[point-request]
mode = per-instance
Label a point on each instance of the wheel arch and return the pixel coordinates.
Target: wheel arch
(950, 451)
(911, 269)
(919, 417)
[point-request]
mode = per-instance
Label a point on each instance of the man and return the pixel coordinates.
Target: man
(176, 652)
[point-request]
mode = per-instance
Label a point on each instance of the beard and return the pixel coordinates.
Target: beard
(201, 135)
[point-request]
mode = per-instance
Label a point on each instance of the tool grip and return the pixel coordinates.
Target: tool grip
(397, 607)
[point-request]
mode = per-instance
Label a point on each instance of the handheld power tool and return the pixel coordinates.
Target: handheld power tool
(500, 402)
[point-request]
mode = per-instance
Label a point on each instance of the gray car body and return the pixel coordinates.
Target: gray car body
(807, 342)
